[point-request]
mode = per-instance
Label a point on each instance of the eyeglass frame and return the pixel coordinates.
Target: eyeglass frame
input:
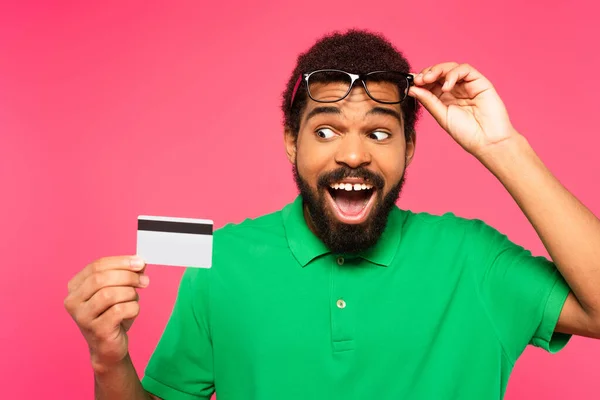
(305, 77)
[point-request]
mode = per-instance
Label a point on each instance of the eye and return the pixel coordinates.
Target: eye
(379, 135)
(325, 133)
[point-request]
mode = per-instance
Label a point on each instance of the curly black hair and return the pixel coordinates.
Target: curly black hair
(356, 51)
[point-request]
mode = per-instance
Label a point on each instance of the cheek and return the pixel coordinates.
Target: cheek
(313, 159)
(391, 166)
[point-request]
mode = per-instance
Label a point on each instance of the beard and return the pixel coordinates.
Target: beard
(340, 237)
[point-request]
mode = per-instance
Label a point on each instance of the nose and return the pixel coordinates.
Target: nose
(352, 152)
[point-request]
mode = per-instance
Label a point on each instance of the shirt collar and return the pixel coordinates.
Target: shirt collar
(306, 246)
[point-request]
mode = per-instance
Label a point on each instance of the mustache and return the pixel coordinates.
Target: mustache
(337, 175)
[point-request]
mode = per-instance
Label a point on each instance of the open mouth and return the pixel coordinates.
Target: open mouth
(351, 200)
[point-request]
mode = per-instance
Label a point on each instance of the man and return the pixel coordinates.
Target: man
(342, 295)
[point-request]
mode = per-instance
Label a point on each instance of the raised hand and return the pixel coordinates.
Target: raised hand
(465, 104)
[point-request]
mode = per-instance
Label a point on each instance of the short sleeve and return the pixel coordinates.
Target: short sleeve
(522, 294)
(181, 367)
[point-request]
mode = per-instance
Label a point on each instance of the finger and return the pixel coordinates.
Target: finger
(418, 77)
(431, 103)
(444, 66)
(435, 87)
(132, 263)
(437, 72)
(463, 72)
(106, 326)
(127, 322)
(433, 73)
(103, 299)
(112, 278)
(109, 278)
(425, 70)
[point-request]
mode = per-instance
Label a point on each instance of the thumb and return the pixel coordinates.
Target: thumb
(431, 103)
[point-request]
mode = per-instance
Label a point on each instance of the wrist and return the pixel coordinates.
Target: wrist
(103, 367)
(504, 153)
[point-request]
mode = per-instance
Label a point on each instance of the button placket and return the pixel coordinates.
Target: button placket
(342, 318)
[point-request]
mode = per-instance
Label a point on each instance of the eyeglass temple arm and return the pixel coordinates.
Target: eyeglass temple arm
(296, 86)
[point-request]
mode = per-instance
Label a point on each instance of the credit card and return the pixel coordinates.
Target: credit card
(179, 242)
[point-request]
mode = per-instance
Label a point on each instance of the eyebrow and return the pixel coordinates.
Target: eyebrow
(322, 110)
(385, 111)
(334, 110)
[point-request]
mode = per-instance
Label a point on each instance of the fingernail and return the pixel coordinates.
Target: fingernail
(446, 85)
(420, 75)
(429, 72)
(144, 280)
(137, 263)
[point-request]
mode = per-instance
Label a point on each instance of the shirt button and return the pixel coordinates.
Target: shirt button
(340, 260)
(341, 303)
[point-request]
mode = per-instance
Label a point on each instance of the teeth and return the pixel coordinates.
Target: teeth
(349, 186)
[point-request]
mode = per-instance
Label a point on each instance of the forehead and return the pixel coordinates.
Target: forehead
(329, 91)
(357, 104)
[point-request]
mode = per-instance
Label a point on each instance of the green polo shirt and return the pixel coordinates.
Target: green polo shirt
(440, 308)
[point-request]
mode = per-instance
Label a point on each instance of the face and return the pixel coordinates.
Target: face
(349, 163)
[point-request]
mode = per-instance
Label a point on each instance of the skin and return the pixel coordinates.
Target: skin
(102, 298)
(354, 132)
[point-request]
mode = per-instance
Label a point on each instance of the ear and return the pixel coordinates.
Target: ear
(291, 141)
(411, 144)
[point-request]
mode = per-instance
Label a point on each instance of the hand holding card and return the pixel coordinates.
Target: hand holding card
(182, 242)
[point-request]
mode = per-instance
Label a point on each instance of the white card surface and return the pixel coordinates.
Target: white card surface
(179, 242)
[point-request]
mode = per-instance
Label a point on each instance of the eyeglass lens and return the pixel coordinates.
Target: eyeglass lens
(330, 86)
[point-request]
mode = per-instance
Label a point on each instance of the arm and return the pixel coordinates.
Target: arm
(569, 231)
(467, 106)
(119, 382)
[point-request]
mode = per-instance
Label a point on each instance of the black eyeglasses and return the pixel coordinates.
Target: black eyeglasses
(331, 85)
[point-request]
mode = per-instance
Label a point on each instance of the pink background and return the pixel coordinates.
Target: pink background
(113, 109)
